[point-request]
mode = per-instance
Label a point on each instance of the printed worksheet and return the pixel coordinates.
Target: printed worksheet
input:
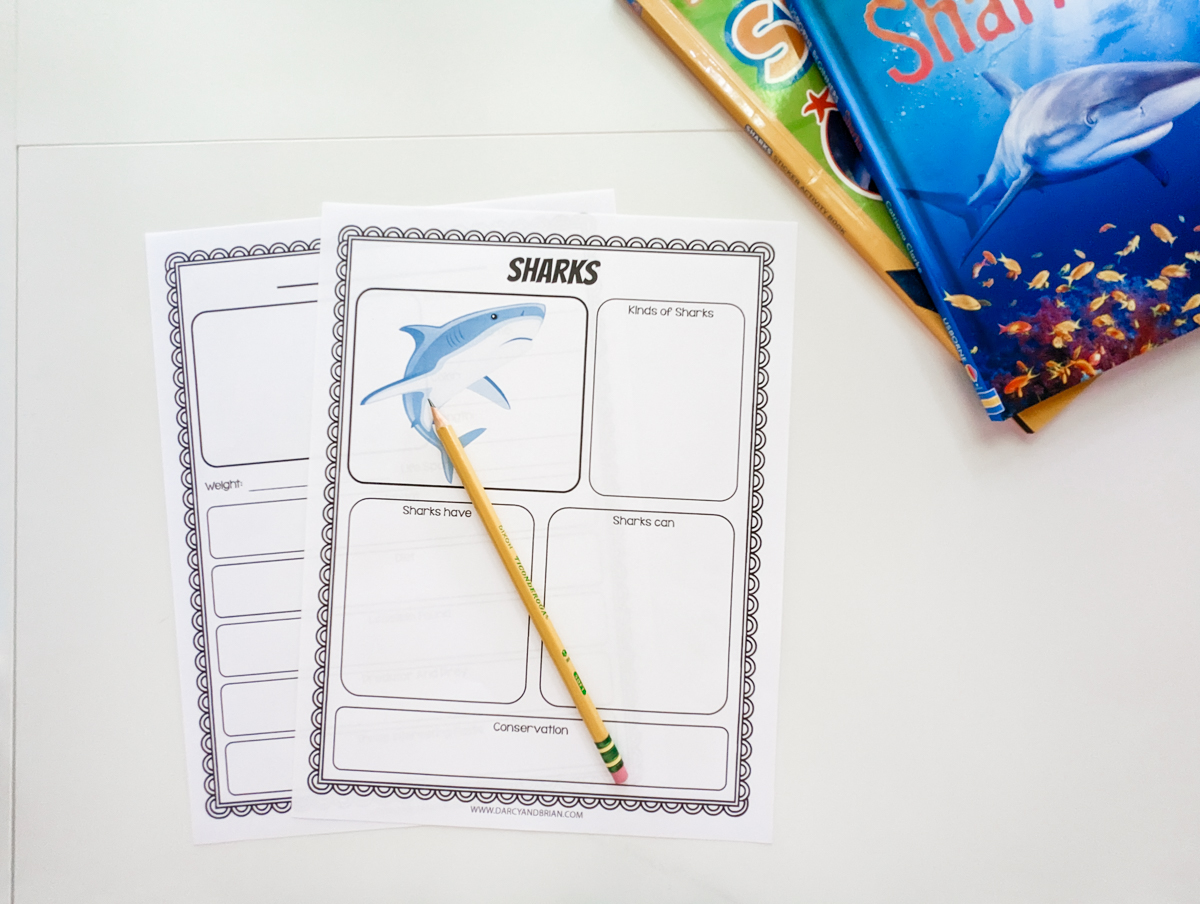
(234, 313)
(621, 385)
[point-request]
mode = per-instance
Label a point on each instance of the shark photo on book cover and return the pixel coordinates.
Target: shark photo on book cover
(1040, 156)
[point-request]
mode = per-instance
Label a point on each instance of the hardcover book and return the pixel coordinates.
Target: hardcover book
(1039, 158)
(751, 56)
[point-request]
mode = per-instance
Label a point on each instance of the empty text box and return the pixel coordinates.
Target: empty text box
(257, 588)
(430, 611)
(259, 767)
(258, 648)
(253, 371)
(643, 600)
(259, 707)
(256, 528)
(667, 410)
(690, 757)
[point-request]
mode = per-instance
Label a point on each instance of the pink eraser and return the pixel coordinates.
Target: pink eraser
(620, 776)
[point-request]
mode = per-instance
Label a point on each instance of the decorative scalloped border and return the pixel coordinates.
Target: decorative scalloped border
(762, 358)
(191, 516)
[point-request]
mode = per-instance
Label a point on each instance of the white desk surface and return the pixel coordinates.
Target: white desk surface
(991, 687)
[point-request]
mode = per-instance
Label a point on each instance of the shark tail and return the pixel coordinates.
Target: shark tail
(466, 439)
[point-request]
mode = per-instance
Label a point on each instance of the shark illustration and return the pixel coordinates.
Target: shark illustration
(459, 355)
(1072, 125)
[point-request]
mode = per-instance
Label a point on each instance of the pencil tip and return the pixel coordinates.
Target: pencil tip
(438, 420)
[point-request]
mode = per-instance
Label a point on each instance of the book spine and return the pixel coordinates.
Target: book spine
(828, 64)
(875, 247)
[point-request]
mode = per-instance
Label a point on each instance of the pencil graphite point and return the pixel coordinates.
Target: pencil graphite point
(438, 420)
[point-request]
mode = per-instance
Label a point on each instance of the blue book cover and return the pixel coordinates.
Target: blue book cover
(1040, 158)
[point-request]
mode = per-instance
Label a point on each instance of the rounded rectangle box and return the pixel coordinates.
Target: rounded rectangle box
(429, 611)
(256, 528)
(512, 386)
(667, 409)
(644, 603)
(248, 363)
(488, 747)
(257, 588)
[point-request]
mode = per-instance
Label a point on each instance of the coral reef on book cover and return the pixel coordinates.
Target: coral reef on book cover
(1040, 155)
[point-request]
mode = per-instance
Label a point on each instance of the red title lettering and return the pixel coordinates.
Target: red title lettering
(942, 19)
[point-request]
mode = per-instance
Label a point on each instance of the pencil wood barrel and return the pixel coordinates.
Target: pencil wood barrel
(529, 596)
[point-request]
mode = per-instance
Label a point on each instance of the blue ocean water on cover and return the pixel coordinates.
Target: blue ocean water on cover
(1091, 262)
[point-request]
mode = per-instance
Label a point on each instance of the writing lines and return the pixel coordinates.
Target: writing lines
(428, 612)
(647, 598)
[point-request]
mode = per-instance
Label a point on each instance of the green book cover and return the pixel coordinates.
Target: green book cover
(764, 47)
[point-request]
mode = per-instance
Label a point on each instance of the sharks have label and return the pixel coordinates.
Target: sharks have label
(553, 270)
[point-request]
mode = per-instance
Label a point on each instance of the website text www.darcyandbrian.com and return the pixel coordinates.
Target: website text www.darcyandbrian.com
(527, 811)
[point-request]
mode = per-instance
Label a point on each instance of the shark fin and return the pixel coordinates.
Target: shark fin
(391, 389)
(1009, 196)
(1148, 159)
(487, 388)
(419, 331)
(465, 440)
(951, 203)
(1005, 86)
(471, 435)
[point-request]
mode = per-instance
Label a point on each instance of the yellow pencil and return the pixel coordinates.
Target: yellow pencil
(529, 596)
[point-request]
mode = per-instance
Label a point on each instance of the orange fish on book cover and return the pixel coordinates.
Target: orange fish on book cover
(1063, 128)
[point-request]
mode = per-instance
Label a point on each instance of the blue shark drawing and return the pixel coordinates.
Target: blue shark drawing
(460, 355)
(1072, 125)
